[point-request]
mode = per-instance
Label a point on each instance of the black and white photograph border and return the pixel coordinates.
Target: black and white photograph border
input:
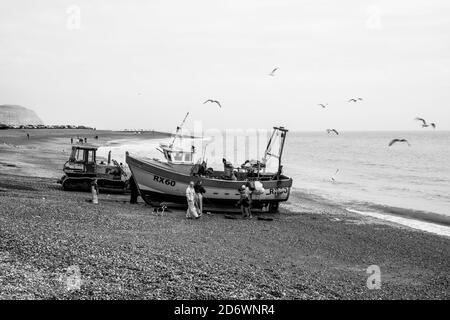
(246, 151)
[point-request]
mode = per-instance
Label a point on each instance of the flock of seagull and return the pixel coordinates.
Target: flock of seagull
(425, 124)
(324, 105)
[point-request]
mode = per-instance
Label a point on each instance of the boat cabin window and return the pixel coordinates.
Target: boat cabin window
(178, 156)
(168, 155)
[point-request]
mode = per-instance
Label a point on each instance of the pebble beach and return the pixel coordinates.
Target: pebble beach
(123, 251)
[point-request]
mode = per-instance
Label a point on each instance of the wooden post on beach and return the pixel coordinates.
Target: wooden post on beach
(94, 191)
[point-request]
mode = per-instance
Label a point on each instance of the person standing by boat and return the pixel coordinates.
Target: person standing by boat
(199, 191)
(134, 191)
(190, 197)
(244, 202)
(227, 168)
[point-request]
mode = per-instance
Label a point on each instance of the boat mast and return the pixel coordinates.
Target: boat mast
(178, 130)
(280, 151)
(283, 138)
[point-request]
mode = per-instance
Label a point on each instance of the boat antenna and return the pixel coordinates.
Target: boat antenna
(178, 129)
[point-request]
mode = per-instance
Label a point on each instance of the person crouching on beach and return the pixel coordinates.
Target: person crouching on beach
(244, 202)
(190, 197)
(199, 191)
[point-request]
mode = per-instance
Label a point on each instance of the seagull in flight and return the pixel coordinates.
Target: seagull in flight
(398, 140)
(355, 99)
(424, 123)
(272, 74)
(213, 101)
(332, 178)
(332, 131)
(323, 105)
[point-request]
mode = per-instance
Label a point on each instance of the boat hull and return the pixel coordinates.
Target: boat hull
(160, 182)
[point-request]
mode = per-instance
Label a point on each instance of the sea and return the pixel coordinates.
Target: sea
(358, 171)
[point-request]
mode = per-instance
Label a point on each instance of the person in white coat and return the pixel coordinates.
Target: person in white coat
(191, 212)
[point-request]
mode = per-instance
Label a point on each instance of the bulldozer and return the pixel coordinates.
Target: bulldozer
(82, 169)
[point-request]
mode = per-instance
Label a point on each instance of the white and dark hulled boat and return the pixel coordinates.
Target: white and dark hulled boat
(166, 180)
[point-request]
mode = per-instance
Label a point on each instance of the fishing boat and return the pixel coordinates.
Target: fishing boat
(165, 181)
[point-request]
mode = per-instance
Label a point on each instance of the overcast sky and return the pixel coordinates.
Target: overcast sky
(144, 64)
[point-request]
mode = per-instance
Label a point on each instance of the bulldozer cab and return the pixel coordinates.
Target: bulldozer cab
(84, 157)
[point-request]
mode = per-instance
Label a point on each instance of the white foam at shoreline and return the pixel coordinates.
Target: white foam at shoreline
(412, 223)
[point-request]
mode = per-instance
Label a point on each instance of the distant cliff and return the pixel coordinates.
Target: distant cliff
(18, 115)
